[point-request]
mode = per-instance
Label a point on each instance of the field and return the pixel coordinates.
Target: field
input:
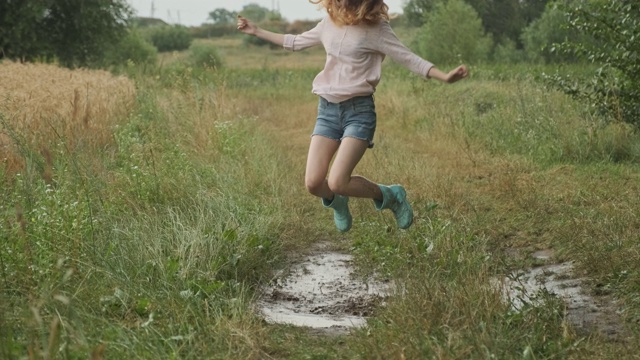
(150, 233)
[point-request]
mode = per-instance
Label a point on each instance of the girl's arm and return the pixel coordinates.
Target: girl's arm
(452, 76)
(250, 28)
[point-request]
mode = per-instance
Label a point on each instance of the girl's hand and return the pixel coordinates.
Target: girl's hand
(246, 26)
(456, 74)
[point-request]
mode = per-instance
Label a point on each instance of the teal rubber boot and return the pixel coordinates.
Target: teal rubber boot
(394, 197)
(341, 214)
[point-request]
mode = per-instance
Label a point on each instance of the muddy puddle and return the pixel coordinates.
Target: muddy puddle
(586, 313)
(321, 292)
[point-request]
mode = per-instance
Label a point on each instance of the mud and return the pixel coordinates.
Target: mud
(321, 292)
(586, 313)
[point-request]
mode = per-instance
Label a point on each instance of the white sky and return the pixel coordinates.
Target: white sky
(196, 12)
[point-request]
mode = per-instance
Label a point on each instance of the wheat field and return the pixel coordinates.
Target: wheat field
(43, 103)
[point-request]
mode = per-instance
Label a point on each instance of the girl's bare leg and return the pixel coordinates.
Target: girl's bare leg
(340, 179)
(321, 151)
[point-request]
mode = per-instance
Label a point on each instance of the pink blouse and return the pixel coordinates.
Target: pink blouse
(354, 57)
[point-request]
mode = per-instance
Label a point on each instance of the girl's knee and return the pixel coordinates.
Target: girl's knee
(338, 186)
(314, 186)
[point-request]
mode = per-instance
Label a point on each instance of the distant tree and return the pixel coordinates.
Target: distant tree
(503, 19)
(415, 10)
(75, 32)
(452, 34)
(21, 33)
(80, 30)
(257, 13)
(222, 16)
(542, 36)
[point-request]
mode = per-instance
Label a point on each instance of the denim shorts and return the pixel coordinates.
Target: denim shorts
(355, 118)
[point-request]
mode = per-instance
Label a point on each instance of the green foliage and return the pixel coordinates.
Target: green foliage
(416, 10)
(541, 37)
(222, 16)
(213, 30)
(257, 13)
(453, 33)
(507, 52)
(206, 56)
(20, 36)
(170, 38)
(133, 48)
(74, 32)
(614, 90)
(503, 19)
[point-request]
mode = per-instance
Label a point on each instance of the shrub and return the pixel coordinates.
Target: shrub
(132, 48)
(541, 37)
(614, 90)
(171, 38)
(206, 56)
(507, 53)
(213, 30)
(452, 33)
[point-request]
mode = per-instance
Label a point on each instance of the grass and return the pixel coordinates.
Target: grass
(153, 241)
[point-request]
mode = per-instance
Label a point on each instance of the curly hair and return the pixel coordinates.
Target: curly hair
(355, 12)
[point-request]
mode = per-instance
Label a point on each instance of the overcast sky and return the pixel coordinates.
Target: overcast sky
(195, 12)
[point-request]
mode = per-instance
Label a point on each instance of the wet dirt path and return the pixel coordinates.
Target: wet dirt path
(321, 292)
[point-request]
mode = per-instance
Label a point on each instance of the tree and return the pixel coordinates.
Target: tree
(503, 19)
(614, 89)
(21, 35)
(415, 11)
(257, 13)
(541, 38)
(453, 33)
(75, 32)
(222, 16)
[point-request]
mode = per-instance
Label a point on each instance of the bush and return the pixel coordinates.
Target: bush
(213, 30)
(614, 89)
(541, 37)
(507, 53)
(171, 38)
(132, 48)
(453, 33)
(206, 56)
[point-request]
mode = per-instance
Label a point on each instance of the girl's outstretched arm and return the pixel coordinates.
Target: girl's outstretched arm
(454, 75)
(250, 28)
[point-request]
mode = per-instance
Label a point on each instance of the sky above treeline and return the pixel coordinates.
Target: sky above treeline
(196, 12)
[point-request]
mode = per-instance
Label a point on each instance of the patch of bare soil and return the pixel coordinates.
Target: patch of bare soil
(322, 293)
(586, 313)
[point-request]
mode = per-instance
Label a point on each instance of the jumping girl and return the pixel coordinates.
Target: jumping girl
(356, 36)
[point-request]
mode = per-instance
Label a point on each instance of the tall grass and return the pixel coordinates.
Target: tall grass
(155, 244)
(43, 104)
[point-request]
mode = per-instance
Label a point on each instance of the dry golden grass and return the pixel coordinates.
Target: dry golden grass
(42, 103)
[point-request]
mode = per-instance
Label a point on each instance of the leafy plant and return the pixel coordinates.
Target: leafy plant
(614, 89)
(132, 48)
(171, 38)
(203, 55)
(453, 33)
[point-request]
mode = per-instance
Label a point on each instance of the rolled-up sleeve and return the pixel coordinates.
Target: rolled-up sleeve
(305, 40)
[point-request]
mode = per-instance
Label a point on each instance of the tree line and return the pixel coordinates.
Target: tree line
(73, 32)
